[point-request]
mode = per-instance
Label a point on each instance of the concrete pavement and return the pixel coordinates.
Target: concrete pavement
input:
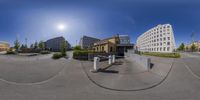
(71, 83)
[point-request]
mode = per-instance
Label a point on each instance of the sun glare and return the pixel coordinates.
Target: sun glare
(61, 27)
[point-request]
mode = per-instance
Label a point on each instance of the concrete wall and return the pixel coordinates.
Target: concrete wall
(141, 60)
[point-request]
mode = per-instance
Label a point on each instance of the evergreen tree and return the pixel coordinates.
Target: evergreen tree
(41, 45)
(32, 46)
(16, 45)
(63, 48)
(181, 47)
(193, 47)
(36, 45)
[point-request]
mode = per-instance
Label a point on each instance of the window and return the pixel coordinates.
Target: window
(168, 38)
(160, 39)
(160, 48)
(168, 48)
(160, 44)
(164, 49)
(168, 43)
(164, 38)
(102, 48)
(111, 49)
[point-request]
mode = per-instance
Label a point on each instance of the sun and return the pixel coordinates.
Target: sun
(61, 27)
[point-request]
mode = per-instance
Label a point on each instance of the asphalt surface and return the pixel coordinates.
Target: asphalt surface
(65, 79)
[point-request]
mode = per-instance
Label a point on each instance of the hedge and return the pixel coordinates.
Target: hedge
(167, 55)
(57, 55)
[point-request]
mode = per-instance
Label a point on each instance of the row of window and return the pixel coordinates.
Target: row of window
(154, 41)
(152, 37)
(158, 49)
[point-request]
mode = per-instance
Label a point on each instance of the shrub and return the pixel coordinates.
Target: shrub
(167, 55)
(57, 56)
(10, 52)
(44, 52)
(80, 54)
(77, 48)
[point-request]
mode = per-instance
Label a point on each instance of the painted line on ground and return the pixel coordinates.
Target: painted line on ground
(35, 83)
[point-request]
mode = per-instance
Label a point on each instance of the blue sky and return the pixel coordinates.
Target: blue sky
(38, 19)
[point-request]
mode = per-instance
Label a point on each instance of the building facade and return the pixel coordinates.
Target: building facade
(108, 45)
(157, 39)
(124, 39)
(87, 42)
(4, 46)
(196, 44)
(124, 45)
(55, 44)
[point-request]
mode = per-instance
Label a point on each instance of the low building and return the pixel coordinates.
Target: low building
(87, 42)
(108, 45)
(197, 46)
(4, 46)
(55, 44)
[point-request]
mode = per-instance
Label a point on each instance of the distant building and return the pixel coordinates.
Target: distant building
(108, 45)
(116, 44)
(55, 43)
(124, 44)
(4, 46)
(157, 39)
(197, 46)
(124, 39)
(87, 42)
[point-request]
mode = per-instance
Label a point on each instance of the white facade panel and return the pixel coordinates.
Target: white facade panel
(157, 39)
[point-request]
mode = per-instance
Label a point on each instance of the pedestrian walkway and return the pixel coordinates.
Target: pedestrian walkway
(127, 75)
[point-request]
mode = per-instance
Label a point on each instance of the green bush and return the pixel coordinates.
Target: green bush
(44, 52)
(57, 56)
(80, 53)
(77, 48)
(167, 55)
(10, 52)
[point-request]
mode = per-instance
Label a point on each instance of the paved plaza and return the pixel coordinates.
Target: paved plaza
(42, 78)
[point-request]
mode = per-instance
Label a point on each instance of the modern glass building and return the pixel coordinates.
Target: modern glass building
(157, 39)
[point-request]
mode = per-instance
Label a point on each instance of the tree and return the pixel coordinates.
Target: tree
(32, 46)
(181, 47)
(16, 45)
(35, 45)
(63, 48)
(22, 47)
(77, 47)
(193, 47)
(41, 45)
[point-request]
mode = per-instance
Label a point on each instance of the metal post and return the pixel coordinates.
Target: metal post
(96, 60)
(110, 60)
(113, 58)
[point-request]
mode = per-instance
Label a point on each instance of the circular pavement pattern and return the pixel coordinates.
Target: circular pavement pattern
(29, 70)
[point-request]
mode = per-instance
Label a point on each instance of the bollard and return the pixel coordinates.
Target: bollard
(96, 60)
(113, 58)
(110, 60)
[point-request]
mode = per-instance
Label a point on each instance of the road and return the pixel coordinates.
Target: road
(71, 83)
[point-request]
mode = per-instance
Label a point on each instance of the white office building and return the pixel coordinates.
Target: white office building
(157, 39)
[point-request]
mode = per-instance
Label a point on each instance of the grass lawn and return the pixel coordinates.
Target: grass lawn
(167, 55)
